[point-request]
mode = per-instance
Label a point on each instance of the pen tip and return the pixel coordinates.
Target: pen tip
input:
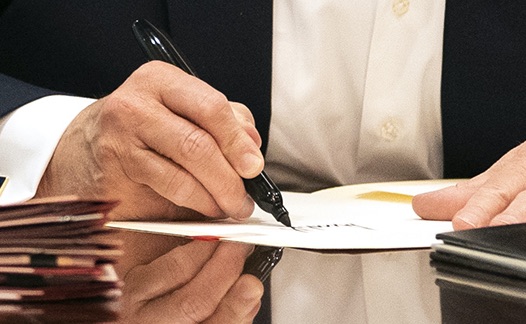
(286, 221)
(283, 217)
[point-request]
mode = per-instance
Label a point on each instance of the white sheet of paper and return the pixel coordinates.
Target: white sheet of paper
(329, 219)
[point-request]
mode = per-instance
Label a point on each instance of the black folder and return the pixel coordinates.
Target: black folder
(498, 250)
(507, 240)
(481, 274)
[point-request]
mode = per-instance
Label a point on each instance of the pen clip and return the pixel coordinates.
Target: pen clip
(158, 46)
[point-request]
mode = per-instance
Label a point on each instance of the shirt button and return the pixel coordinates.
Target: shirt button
(390, 130)
(400, 7)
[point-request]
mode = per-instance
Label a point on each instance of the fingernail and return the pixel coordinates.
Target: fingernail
(251, 164)
(465, 222)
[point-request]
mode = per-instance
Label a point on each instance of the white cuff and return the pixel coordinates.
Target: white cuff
(28, 138)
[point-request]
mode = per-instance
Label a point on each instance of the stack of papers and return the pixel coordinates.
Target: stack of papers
(56, 259)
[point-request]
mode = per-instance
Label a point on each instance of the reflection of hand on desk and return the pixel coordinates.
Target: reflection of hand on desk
(170, 279)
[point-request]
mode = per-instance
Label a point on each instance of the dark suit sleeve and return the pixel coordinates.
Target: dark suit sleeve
(16, 93)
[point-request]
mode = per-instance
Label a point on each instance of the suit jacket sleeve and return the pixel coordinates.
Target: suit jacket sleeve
(16, 93)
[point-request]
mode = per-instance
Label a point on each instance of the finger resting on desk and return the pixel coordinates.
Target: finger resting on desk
(443, 204)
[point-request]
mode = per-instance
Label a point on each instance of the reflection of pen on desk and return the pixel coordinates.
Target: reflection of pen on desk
(158, 47)
(262, 261)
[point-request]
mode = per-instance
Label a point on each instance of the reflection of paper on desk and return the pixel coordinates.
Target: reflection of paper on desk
(329, 219)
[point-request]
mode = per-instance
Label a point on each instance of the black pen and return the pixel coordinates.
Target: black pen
(157, 46)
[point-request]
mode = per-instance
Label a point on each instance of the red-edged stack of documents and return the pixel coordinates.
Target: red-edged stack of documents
(56, 261)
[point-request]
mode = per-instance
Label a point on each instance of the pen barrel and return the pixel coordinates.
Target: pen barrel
(265, 193)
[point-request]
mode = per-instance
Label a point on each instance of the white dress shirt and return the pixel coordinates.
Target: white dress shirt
(355, 98)
(28, 137)
(355, 92)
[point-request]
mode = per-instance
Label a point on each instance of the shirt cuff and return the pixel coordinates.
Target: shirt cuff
(28, 138)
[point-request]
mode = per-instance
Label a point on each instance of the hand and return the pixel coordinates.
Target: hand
(495, 197)
(168, 282)
(165, 144)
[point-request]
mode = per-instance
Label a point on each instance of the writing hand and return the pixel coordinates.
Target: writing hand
(173, 280)
(165, 144)
(495, 197)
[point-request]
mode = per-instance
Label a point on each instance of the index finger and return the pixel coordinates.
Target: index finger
(210, 110)
(444, 203)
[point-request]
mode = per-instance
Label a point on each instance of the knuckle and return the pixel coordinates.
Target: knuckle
(243, 111)
(235, 142)
(149, 68)
(119, 112)
(233, 311)
(232, 189)
(197, 145)
(478, 212)
(178, 268)
(131, 291)
(499, 196)
(131, 159)
(196, 308)
(213, 104)
(179, 187)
